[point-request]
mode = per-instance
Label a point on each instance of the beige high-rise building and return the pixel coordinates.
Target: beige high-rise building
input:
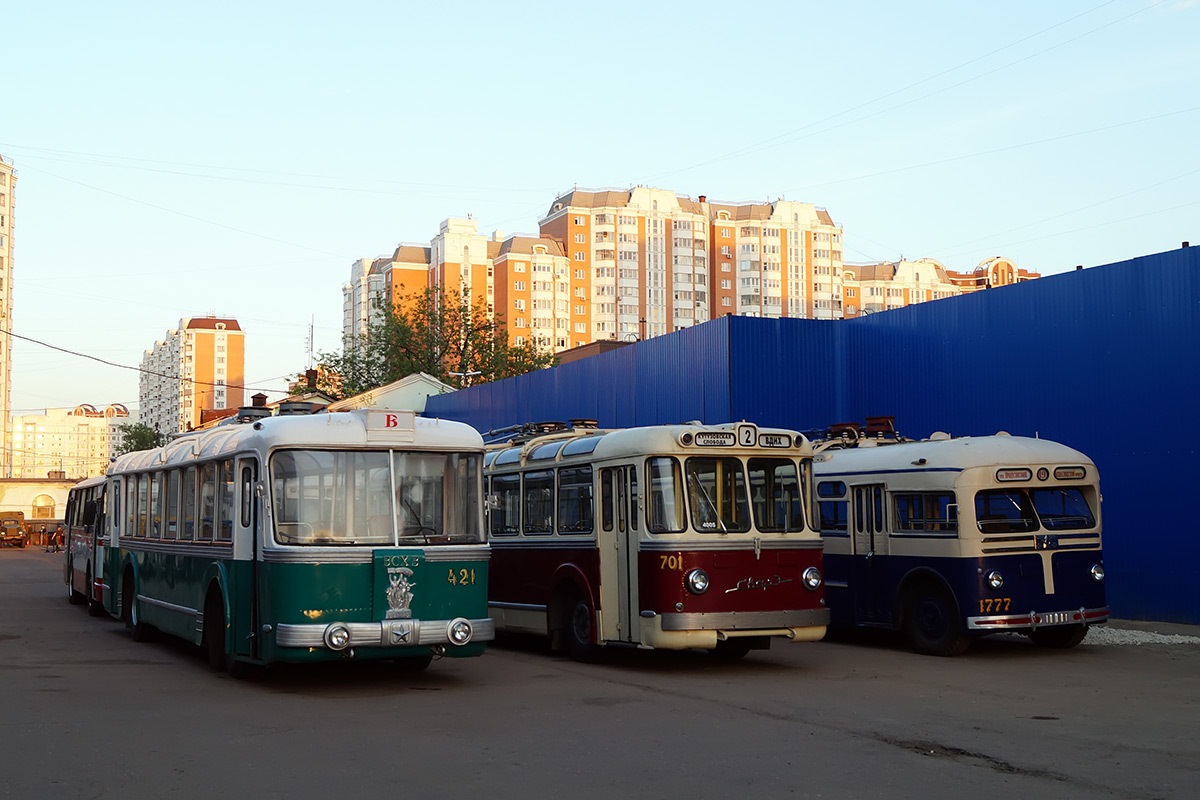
(8, 185)
(628, 264)
(76, 442)
(654, 262)
(199, 366)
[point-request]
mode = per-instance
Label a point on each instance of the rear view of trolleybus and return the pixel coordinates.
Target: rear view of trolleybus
(674, 536)
(951, 539)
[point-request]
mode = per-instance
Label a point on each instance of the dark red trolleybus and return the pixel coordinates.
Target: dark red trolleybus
(673, 536)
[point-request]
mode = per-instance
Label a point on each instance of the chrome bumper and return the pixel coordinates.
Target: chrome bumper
(1038, 619)
(388, 633)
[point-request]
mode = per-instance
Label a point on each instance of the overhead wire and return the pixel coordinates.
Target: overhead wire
(775, 140)
(139, 370)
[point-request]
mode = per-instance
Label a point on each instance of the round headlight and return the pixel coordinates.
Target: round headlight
(995, 579)
(811, 578)
(459, 631)
(337, 636)
(1097, 573)
(697, 581)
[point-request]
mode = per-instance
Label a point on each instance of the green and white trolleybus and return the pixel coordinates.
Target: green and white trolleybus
(301, 538)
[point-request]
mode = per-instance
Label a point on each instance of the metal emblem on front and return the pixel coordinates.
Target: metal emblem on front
(1046, 542)
(403, 632)
(399, 593)
(750, 584)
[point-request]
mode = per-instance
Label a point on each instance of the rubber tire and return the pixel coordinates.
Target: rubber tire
(578, 629)
(214, 643)
(73, 597)
(414, 664)
(731, 649)
(139, 631)
(95, 609)
(931, 622)
(1059, 637)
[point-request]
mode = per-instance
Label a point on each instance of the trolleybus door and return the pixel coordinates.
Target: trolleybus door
(619, 546)
(243, 594)
(869, 542)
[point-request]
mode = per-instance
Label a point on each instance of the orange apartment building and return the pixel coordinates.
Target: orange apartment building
(659, 262)
(199, 366)
(628, 264)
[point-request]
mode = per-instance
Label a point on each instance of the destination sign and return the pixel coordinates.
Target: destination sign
(1069, 473)
(774, 440)
(715, 439)
(1010, 475)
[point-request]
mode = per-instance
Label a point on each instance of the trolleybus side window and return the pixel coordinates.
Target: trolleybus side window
(130, 506)
(158, 480)
(933, 512)
(775, 495)
(505, 516)
(539, 502)
(187, 515)
(172, 529)
(208, 492)
(717, 493)
(1004, 511)
(575, 500)
(833, 510)
(225, 501)
(143, 509)
(665, 510)
(1063, 508)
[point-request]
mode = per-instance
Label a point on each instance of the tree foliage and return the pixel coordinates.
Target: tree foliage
(137, 436)
(442, 334)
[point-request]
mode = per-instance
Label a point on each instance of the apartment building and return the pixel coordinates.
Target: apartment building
(991, 272)
(628, 264)
(377, 283)
(8, 185)
(659, 262)
(883, 286)
(535, 294)
(198, 366)
(76, 442)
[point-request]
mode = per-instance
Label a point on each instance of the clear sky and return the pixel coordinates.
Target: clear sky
(178, 160)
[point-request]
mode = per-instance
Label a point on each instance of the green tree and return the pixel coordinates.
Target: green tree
(448, 336)
(137, 436)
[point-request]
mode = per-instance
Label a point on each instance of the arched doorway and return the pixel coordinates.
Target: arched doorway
(43, 507)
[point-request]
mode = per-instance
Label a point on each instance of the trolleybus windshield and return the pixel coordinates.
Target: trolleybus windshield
(332, 497)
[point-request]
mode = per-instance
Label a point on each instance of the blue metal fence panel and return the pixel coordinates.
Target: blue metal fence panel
(665, 379)
(1104, 360)
(783, 371)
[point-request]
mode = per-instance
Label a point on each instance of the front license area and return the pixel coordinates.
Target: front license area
(995, 605)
